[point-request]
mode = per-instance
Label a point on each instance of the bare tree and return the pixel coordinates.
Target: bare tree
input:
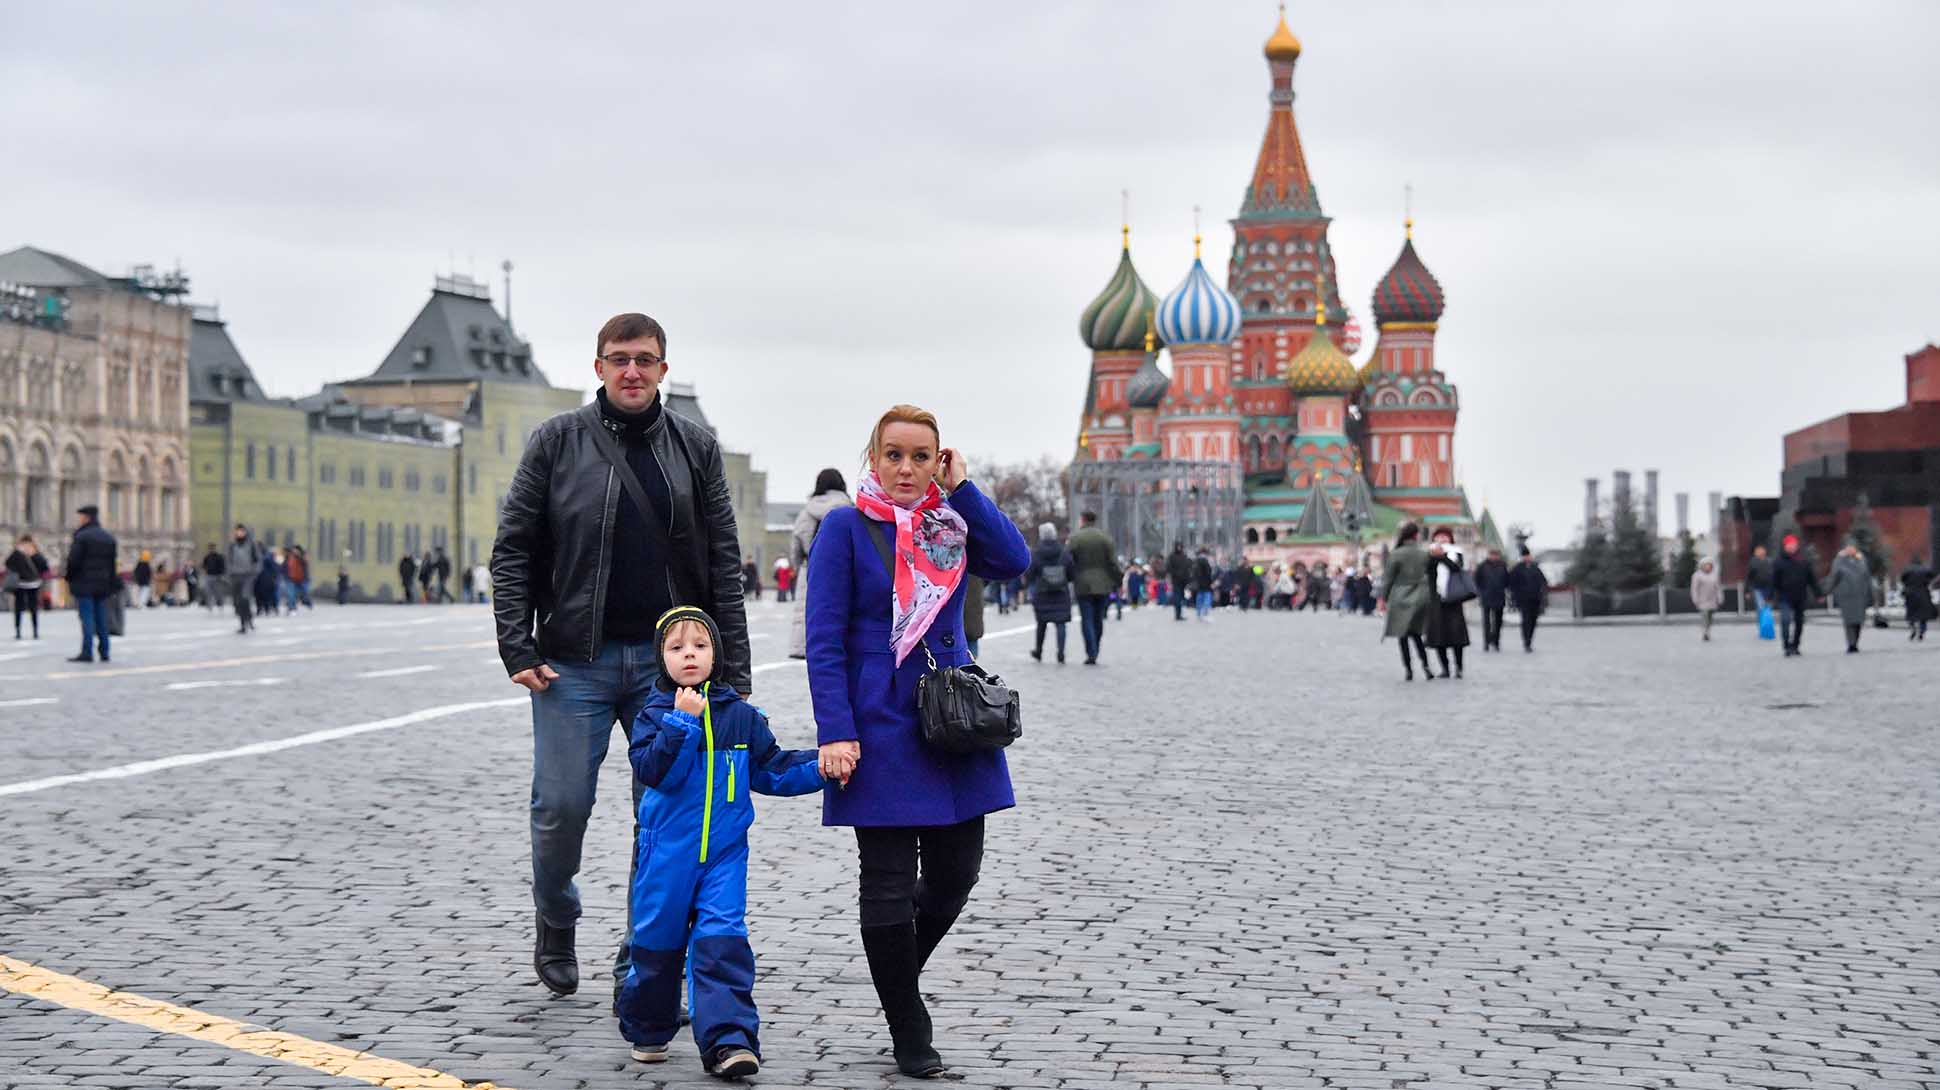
(1031, 493)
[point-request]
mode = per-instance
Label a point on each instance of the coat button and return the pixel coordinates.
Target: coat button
(950, 641)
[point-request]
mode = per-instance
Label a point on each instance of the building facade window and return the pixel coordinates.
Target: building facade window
(269, 464)
(289, 464)
(384, 476)
(471, 479)
(439, 483)
(356, 476)
(249, 462)
(412, 480)
(326, 473)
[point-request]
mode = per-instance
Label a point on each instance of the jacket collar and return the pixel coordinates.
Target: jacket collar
(603, 414)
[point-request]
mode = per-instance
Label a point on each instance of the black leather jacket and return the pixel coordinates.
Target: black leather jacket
(90, 568)
(554, 552)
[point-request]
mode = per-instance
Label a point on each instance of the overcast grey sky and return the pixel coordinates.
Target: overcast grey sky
(1668, 232)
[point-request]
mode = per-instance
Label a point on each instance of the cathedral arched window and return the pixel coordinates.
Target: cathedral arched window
(1253, 536)
(1272, 535)
(70, 487)
(9, 490)
(39, 489)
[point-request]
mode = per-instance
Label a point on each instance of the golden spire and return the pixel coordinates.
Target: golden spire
(1125, 218)
(1150, 338)
(1320, 302)
(1408, 202)
(1195, 232)
(1282, 46)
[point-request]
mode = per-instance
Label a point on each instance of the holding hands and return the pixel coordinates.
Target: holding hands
(838, 760)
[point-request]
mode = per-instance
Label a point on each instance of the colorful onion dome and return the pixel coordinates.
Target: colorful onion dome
(1409, 293)
(1283, 46)
(1198, 311)
(1115, 321)
(1320, 368)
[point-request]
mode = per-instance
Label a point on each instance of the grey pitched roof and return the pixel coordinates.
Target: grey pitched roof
(458, 335)
(217, 371)
(1317, 517)
(682, 399)
(38, 268)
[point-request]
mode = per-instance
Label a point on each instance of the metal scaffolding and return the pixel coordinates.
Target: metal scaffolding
(1147, 506)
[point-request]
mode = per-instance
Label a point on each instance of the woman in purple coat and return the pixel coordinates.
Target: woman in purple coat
(869, 642)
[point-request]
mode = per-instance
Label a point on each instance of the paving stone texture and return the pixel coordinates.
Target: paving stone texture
(1246, 855)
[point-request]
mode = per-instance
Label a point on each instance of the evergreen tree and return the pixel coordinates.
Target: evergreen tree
(1635, 560)
(1686, 563)
(1585, 571)
(1865, 535)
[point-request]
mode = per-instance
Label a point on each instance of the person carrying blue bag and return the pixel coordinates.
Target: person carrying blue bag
(701, 751)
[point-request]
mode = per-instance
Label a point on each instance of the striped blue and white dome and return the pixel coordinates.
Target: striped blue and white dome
(1198, 311)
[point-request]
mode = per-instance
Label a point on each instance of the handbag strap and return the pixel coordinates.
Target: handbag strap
(604, 440)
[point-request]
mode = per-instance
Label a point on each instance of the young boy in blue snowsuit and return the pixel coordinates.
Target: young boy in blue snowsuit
(700, 750)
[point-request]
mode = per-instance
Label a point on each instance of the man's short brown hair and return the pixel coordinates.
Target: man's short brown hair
(630, 327)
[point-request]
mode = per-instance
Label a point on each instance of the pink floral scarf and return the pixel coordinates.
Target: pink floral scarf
(930, 541)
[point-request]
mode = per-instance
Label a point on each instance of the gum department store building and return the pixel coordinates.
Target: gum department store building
(1266, 437)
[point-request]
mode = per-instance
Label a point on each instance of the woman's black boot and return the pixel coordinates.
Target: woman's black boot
(895, 964)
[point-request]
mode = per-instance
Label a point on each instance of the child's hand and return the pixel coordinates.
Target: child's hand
(690, 700)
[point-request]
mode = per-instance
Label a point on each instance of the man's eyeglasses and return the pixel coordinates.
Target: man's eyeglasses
(642, 361)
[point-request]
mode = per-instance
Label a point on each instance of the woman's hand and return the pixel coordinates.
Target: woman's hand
(954, 472)
(838, 760)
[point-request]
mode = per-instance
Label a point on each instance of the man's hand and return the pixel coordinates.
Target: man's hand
(838, 760)
(539, 678)
(691, 701)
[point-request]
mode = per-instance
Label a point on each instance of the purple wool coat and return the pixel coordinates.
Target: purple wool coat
(860, 694)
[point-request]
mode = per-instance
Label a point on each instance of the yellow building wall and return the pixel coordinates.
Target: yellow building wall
(508, 414)
(351, 493)
(262, 453)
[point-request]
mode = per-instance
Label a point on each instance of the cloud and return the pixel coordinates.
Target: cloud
(1668, 232)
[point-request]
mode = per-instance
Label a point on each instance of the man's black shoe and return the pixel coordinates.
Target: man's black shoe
(82, 658)
(554, 960)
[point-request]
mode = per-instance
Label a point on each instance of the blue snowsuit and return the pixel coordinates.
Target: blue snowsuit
(690, 886)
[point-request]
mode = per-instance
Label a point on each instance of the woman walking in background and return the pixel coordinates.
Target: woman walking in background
(885, 590)
(1447, 627)
(1707, 594)
(831, 492)
(1916, 585)
(1404, 596)
(26, 573)
(1049, 581)
(1851, 592)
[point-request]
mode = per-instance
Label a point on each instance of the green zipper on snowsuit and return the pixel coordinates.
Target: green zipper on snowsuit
(707, 807)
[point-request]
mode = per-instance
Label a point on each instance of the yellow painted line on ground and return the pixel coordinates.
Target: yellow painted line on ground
(62, 990)
(254, 660)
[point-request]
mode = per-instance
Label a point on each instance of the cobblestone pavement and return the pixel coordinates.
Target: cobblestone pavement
(1246, 855)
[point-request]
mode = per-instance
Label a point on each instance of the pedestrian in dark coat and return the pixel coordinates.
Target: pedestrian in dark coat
(1096, 579)
(91, 579)
(1529, 590)
(1447, 626)
(1203, 582)
(1492, 585)
(26, 573)
(1404, 595)
(918, 811)
(1851, 592)
(1916, 584)
(1178, 573)
(1049, 579)
(407, 572)
(1758, 575)
(1794, 585)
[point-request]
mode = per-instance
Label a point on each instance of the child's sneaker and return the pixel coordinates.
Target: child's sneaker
(650, 1054)
(733, 1063)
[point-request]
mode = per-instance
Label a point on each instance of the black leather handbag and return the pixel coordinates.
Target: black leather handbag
(962, 709)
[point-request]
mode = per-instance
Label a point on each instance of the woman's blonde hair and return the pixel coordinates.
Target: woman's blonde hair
(902, 414)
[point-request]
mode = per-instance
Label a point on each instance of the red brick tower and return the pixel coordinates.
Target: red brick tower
(1281, 267)
(1408, 405)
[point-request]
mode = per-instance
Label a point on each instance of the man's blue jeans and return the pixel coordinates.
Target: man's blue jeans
(1202, 604)
(94, 624)
(1091, 621)
(572, 727)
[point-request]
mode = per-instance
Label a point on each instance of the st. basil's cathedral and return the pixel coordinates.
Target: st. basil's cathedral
(1263, 403)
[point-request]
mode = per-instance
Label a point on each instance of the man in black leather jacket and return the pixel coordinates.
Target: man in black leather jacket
(91, 578)
(580, 576)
